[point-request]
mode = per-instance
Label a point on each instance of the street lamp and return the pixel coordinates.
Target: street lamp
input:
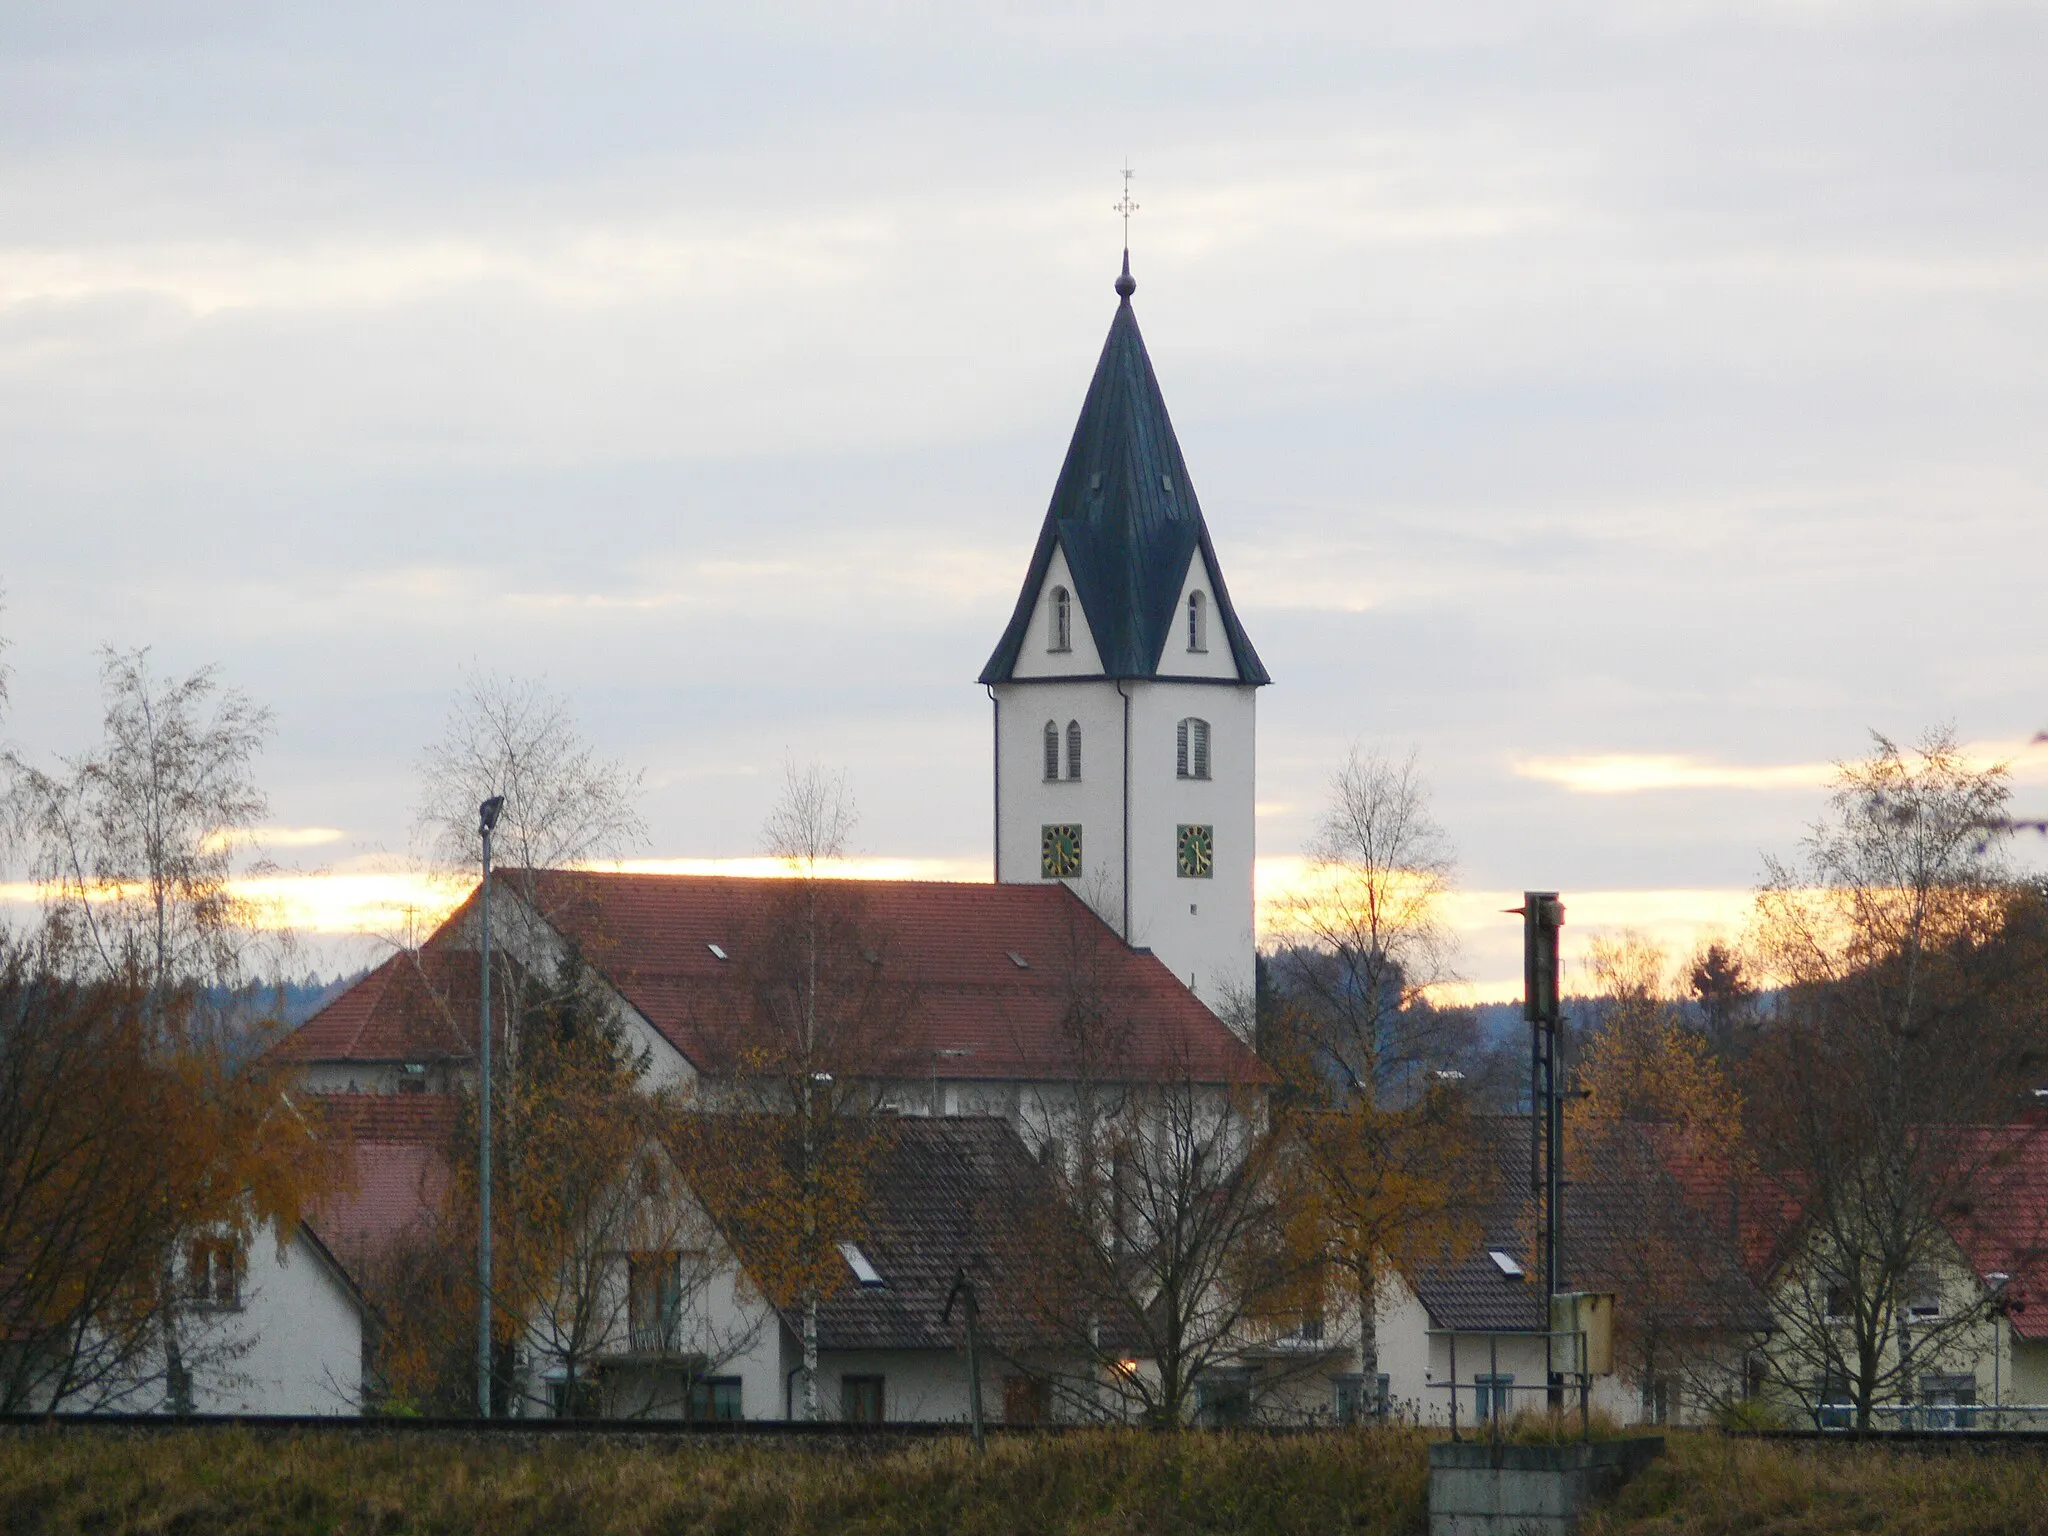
(487, 823)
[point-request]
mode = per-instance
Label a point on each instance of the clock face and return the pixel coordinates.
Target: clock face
(1059, 852)
(1195, 852)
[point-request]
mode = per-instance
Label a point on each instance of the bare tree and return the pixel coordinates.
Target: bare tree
(563, 803)
(134, 841)
(1371, 939)
(1368, 919)
(1912, 971)
(804, 1046)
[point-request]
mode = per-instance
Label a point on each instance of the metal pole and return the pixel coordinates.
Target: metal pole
(1454, 1386)
(487, 819)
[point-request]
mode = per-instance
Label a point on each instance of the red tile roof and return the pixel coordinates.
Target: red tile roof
(397, 1170)
(2000, 1228)
(2004, 1227)
(955, 946)
(418, 1006)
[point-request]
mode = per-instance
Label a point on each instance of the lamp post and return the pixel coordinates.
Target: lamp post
(487, 822)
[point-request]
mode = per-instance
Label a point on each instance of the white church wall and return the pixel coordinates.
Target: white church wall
(1029, 801)
(1215, 660)
(1036, 657)
(1204, 930)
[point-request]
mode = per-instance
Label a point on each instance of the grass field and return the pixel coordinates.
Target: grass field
(1101, 1484)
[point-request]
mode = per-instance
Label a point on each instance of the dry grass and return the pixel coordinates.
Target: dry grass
(1707, 1486)
(1096, 1484)
(1112, 1483)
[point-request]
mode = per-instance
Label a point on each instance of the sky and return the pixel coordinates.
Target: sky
(1626, 407)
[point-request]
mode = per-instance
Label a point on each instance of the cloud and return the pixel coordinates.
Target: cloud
(1628, 773)
(271, 837)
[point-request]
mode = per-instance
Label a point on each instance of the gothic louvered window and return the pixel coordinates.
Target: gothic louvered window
(1198, 621)
(1073, 749)
(1052, 751)
(1060, 621)
(1191, 749)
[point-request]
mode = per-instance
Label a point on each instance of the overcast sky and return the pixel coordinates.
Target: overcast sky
(1621, 381)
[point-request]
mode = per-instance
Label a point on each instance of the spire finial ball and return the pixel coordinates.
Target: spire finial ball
(1127, 284)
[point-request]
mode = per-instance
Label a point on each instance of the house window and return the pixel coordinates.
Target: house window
(654, 1301)
(1191, 749)
(1060, 621)
(1354, 1407)
(1223, 1397)
(1026, 1401)
(1052, 751)
(1923, 1295)
(1947, 1401)
(1493, 1397)
(213, 1272)
(1059, 851)
(1835, 1403)
(1073, 749)
(1841, 1304)
(860, 1399)
(1194, 852)
(714, 1398)
(1658, 1396)
(1198, 621)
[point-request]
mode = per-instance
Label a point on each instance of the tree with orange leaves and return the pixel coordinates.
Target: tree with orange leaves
(126, 1138)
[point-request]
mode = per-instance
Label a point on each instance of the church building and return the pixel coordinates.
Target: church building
(1125, 693)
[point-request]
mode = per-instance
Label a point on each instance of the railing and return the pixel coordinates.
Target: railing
(659, 1338)
(1923, 1417)
(1566, 1380)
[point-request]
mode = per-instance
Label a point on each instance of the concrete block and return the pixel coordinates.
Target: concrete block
(1480, 1489)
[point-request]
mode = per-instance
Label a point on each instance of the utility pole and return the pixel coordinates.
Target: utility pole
(487, 822)
(1542, 916)
(963, 1291)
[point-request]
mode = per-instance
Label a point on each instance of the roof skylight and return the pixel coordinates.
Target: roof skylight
(857, 1261)
(1019, 961)
(717, 953)
(1505, 1263)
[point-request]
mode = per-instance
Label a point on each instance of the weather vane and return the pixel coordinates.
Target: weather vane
(1126, 207)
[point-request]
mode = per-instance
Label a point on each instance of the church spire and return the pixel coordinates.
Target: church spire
(1125, 515)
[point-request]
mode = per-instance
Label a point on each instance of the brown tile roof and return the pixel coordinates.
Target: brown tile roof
(942, 1194)
(1614, 1194)
(955, 946)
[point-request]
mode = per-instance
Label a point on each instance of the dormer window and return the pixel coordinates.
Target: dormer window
(1191, 749)
(1060, 621)
(1198, 621)
(1073, 749)
(1052, 751)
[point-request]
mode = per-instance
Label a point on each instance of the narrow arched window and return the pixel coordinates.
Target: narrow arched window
(1198, 621)
(1060, 621)
(1052, 750)
(1191, 749)
(1073, 749)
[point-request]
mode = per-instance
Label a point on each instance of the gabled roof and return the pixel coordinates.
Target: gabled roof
(1616, 1193)
(1124, 510)
(418, 1006)
(971, 1011)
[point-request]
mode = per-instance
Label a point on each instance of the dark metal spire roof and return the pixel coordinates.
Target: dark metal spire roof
(1125, 512)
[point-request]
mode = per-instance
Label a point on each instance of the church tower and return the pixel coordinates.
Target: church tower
(1125, 693)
